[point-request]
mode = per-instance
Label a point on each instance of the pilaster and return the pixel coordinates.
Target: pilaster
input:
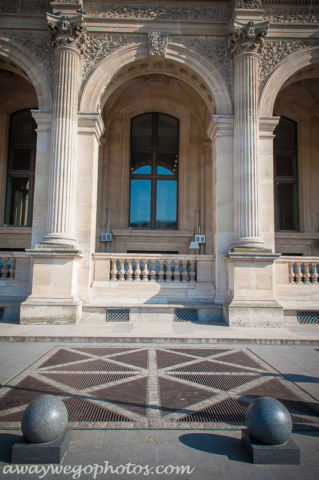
(4, 132)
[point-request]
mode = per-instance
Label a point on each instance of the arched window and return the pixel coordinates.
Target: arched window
(286, 176)
(154, 171)
(20, 169)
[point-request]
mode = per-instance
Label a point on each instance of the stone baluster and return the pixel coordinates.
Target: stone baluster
(137, 273)
(145, 271)
(306, 275)
(161, 271)
(114, 270)
(4, 270)
(68, 41)
(246, 44)
(122, 270)
(153, 271)
(171, 268)
(11, 267)
(184, 272)
(314, 274)
(129, 273)
(291, 273)
(192, 270)
(299, 273)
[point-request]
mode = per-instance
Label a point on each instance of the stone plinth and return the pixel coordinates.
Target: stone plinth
(260, 454)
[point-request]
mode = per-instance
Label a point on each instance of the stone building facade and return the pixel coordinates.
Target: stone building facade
(156, 123)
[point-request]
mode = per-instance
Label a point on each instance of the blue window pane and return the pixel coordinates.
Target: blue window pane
(140, 213)
(141, 163)
(166, 204)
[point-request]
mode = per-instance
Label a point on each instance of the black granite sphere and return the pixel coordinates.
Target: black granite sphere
(268, 421)
(44, 420)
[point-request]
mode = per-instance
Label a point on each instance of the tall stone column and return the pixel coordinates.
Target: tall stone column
(246, 43)
(4, 128)
(68, 40)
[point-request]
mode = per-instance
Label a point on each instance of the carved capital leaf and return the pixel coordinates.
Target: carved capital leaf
(157, 42)
(247, 38)
(67, 31)
(249, 4)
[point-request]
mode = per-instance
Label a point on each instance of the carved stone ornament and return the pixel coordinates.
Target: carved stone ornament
(100, 46)
(31, 7)
(67, 31)
(294, 16)
(157, 42)
(37, 45)
(162, 12)
(213, 49)
(247, 38)
(249, 4)
(275, 51)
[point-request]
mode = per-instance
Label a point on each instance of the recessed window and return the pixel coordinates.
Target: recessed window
(20, 169)
(154, 171)
(286, 176)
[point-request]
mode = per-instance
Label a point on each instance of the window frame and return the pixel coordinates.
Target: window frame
(154, 176)
(30, 173)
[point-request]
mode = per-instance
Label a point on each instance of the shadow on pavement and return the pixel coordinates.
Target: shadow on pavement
(301, 378)
(217, 445)
(6, 443)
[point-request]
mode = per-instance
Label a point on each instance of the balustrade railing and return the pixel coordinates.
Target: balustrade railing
(7, 266)
(304, 271)
(145, 269)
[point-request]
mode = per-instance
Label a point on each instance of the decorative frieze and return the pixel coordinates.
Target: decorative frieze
(38, 46)
(215, 50)
(157, 42)
(275, 51)
(294, 16)
(31, 7)
(100, 46)
(249, 4)
(67, 31)
(247, 38)
(163, 12)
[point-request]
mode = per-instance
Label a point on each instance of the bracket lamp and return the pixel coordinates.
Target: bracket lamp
(194, 245)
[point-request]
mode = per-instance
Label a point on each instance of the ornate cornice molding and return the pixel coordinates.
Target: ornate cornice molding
(213, 49)
(157, 43)
(37, 45)
(100, 46)
(303, 16)
(67, 31)
(275, 51)
(247, 38)
(249, 4)
(163, 12)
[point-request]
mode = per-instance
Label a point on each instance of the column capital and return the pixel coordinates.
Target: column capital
(67, 31)
(43, 120)
(267, 126)
(90, 123)
(247, 38)
(220, 126)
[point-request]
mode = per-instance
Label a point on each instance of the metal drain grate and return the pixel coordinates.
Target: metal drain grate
(303, 420)
(227, 411)
(86, 380)
(308, 317)
(12, 417)
(210, 367)
(93, 366)
(203, 352)
(101, 352)
(118, 315)
(186, 315)
(220, 382)
(81, 410)
(1, 313)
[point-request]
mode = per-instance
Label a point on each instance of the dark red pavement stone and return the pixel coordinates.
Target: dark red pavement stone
(220, 382)
(209, 367)
(12, 417)
(81, 381)
(168, 359)
(176, 396)
(81, 410)
(138, 359)
(130, 395)
(203, 352)
(230, 410)
(101, 352)
(275, 389)
(63, 356)
(97, 365)
(25, 391)
(240, 358)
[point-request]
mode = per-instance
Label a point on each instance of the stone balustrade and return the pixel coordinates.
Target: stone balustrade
(143, 267)
(305, 271)
(7, 265)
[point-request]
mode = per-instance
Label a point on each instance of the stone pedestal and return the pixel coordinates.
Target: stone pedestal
(251, 301)
(54, 288)
(260, 454)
